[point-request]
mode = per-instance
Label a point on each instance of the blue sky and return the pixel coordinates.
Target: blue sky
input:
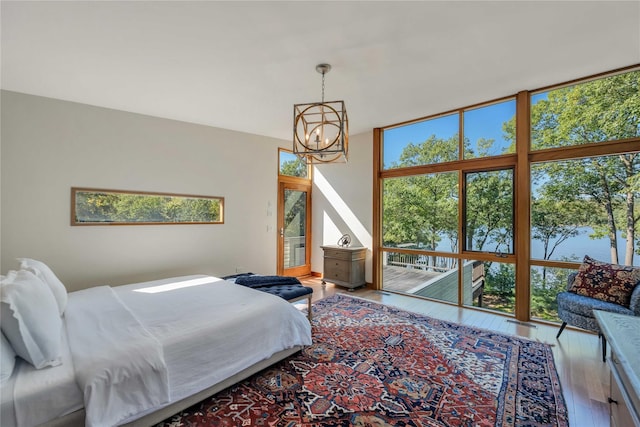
(484, 122)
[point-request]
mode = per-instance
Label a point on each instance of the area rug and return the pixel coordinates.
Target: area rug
(376, 365)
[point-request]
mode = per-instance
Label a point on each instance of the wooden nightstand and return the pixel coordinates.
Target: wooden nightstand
(344, 266)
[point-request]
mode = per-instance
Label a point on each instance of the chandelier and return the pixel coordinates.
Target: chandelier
(321, 129)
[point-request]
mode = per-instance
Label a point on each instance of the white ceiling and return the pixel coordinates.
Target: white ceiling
(242, 65)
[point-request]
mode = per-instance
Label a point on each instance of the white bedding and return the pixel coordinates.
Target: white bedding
(210, 329)
(30, 385)
(119, 365)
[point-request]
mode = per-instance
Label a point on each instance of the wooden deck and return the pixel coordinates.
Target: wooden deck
(400, 279)
(577, 354)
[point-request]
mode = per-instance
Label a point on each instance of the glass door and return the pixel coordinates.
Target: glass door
(294, 229)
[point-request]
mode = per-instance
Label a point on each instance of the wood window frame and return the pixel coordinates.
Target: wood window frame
(76, 222)
(300, 184)
(521, 161)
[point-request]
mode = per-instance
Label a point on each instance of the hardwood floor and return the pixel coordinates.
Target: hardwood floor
(578, 355)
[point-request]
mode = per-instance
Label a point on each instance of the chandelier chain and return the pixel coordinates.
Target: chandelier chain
(323, 87)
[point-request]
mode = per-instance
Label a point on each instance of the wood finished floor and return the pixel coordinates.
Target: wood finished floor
(583, 376)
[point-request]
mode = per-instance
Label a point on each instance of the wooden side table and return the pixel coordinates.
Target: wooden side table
(344, 266)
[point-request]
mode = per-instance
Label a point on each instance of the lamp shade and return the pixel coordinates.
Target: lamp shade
(321, 132)
(321, 129)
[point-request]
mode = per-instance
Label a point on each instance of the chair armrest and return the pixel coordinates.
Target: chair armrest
(570, 279)
(634, 304)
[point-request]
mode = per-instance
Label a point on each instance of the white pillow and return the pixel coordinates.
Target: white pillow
(43, 271)
(7, 359)
(30, 320)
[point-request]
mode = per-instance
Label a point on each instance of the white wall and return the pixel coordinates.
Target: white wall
(50, 145)
(343, 201)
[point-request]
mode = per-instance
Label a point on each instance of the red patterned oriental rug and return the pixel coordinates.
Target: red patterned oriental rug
(375, 365)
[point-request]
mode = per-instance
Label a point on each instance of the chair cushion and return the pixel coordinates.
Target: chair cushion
(584, 305)
(606, 282)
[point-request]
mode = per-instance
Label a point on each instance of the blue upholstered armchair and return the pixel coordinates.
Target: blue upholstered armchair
(577, 310)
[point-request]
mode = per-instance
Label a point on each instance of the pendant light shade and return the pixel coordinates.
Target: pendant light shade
(321, 129)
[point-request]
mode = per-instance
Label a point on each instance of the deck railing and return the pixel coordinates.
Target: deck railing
(422, 262)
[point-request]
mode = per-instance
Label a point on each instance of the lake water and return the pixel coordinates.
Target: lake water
(575, 248)
(582, 245)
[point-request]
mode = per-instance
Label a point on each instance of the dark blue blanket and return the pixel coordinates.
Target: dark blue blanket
(256, 281)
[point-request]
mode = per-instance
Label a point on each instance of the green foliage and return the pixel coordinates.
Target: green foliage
(499, 280)
(606, 109)
(139, 208)
(499, 288)
(484, 146)
(546, 282)
(556, 219)
(295, 208)
(433, 150)
(297, 167)
(600, 110)
(95, 207)
(420, 209)
(490, 210)
(295, 201)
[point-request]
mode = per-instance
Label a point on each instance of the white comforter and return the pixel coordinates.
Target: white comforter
(119, 365)
(208, 330)
(211, 329)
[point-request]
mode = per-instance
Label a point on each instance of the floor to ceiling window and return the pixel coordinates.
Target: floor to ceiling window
(494, 205)
(585, 181)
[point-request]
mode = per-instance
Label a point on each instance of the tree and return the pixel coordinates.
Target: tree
(297, 167)
(606, 109)
(135, 208)
(94, 206)
(567, 195)
(601, 110)
(543, 299)
(421, 209)
(489, 212)
(554, 222)
(295, 207)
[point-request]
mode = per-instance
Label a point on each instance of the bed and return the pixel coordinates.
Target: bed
(161, 347)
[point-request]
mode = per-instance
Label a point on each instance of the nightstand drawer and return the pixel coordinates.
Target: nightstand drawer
(338, 254)
(338, 273)
(344, 266)
(337, 265)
